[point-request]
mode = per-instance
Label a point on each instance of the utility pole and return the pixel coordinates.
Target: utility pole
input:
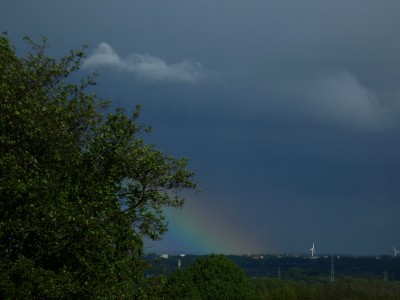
(332, 270)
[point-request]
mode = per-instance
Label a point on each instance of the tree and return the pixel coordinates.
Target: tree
(209, 277)
(79, 187)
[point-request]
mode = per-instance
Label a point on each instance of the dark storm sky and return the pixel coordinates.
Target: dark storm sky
(289, 111)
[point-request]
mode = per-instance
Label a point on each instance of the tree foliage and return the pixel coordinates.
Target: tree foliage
(209, 277)
(79, 187)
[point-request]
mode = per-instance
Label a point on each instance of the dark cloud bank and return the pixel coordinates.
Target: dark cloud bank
(289, 111)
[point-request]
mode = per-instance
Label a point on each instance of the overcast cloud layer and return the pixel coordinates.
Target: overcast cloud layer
(288, 110)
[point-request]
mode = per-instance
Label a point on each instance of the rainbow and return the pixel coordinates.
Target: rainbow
(200, 229)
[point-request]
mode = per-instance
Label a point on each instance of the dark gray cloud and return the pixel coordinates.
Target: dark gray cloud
(292, 124)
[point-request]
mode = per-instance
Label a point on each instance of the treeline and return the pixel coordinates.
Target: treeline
(347, 288)
(289, 267)
(218, 277)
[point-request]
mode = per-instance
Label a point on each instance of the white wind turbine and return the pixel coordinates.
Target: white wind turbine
(313, 250)
(395, 251)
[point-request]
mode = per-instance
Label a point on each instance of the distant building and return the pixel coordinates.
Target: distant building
(164, 256)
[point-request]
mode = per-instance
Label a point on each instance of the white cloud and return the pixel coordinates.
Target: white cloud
(338, 98)
(145, 66)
